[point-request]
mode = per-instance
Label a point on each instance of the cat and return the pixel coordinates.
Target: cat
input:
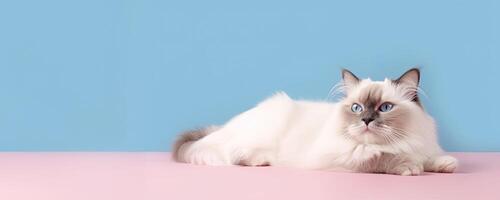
(376, 127)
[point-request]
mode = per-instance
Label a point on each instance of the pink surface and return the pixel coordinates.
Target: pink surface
(151, 176)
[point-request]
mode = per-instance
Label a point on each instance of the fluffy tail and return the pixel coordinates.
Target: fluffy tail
(187, 138)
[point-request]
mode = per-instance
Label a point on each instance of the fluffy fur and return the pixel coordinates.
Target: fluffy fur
(322, 135)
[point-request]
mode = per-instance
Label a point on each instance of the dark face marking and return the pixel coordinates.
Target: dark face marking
(371, 100)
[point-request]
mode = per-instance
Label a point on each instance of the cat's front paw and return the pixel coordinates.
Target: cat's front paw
(407, 169)
(365, 152)
(443, 164)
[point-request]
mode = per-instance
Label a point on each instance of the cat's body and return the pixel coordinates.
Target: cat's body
(354, 134)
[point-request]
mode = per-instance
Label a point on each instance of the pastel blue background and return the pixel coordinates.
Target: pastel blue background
(124, 75)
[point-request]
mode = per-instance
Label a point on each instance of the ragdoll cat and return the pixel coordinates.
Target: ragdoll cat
(377, 127)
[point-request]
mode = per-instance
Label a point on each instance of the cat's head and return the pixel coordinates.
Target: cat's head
(380, 111)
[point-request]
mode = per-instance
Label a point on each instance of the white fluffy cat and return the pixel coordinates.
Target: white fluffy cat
(378, 126)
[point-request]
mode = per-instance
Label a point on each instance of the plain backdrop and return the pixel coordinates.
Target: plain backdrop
(128, 75)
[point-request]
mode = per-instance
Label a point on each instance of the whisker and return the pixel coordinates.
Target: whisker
(335, 90)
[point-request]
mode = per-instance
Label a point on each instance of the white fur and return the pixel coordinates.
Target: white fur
(308, 134)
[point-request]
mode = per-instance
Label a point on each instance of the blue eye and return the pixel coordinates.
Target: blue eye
(386, 107)
(356, 108)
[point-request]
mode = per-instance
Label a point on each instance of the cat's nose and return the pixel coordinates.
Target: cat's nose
(367, 120)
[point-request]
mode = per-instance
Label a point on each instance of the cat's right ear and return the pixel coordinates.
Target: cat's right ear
(350, 80)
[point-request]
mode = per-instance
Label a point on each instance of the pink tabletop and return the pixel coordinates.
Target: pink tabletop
(151, 176)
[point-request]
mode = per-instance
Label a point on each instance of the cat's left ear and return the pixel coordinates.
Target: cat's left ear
(410, 77)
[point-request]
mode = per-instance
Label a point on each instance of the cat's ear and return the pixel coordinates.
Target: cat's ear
(350, 80)
(410, 77)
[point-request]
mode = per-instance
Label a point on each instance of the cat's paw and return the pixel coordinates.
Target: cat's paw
(366, 152)
(442, 164)
(407, 169)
